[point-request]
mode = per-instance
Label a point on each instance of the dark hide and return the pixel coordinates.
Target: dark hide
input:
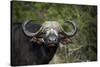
(24, 52)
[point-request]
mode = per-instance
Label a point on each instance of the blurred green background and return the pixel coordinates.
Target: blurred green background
(84, 44)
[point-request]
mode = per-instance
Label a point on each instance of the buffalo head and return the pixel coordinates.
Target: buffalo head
(51, 33)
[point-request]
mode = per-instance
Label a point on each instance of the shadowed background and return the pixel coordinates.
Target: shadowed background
(84, 44)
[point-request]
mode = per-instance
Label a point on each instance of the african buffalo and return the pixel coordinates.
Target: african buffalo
(34, 44)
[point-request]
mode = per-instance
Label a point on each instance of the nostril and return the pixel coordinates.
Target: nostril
(49, 40)
(55, 40)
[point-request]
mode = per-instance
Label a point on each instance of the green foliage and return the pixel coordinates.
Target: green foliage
(84, 16)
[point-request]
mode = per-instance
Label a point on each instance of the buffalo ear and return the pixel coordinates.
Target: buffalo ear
(34, 39)
(62, 35)
(40, 35)
(66, 41)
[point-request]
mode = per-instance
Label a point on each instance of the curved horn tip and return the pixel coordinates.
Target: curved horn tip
(30, 34)
(73, 32)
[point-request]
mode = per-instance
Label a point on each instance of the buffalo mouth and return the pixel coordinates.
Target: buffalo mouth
(52, 45)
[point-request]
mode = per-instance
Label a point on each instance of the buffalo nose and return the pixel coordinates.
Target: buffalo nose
(52, 40)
